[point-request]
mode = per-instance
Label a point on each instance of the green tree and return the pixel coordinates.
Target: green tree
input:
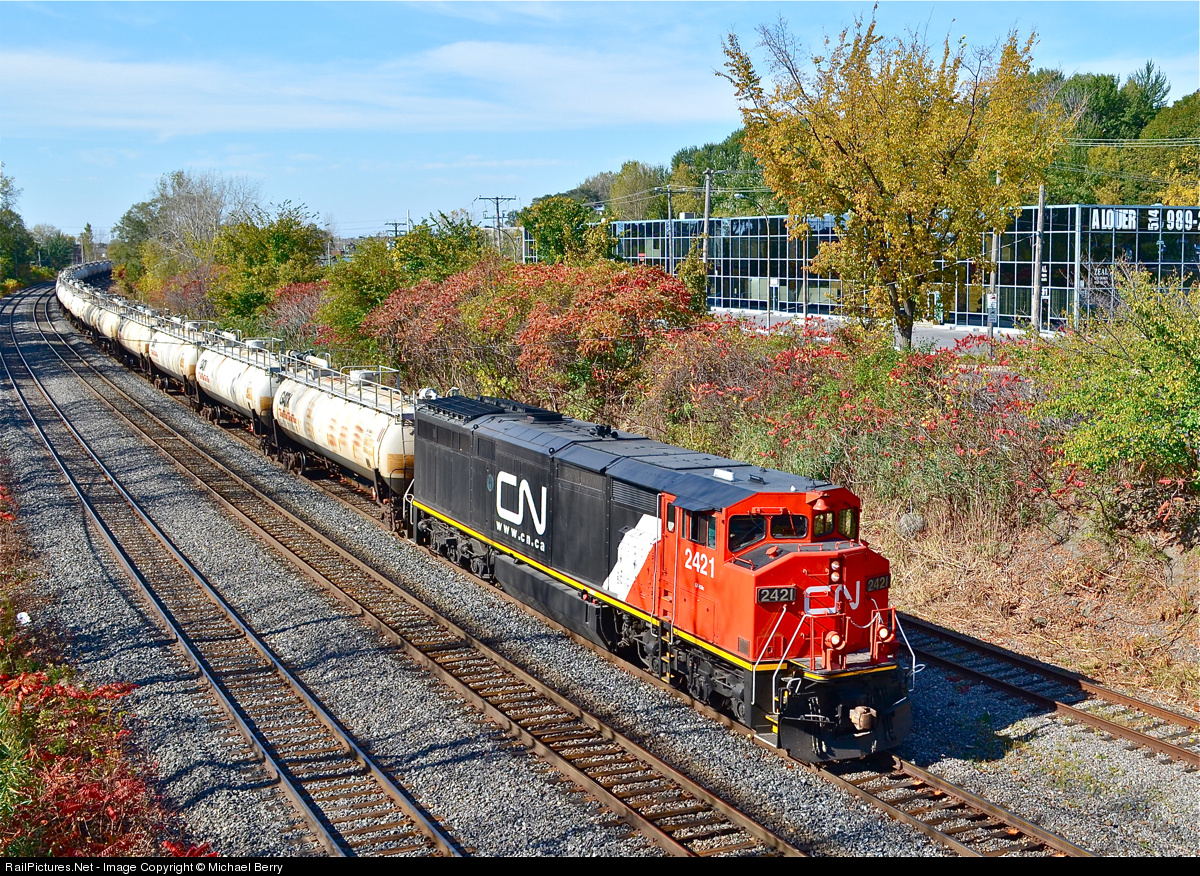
(261, 252)
(434, 250)
(8, 190)
(738, 186)
(558, 226)
(1087, 172)
(1127, 382)
(130, 234)
(55, 250)
(903, 144)
(16, 245)
(636, 192)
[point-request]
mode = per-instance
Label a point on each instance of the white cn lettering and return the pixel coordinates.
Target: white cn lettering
(524, 496)
(838, 592)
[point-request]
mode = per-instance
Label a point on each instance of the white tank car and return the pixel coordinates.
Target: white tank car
(350, 419)
(134, 332)
(173, 354)
(106, 320)
(239, 374)
(66, 296)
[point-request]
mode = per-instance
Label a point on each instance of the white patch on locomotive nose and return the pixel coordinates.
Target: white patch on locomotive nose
(635, 546)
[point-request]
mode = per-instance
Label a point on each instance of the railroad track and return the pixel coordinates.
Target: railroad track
(1070, 695)
(955, 818)
(960, 821)
(350, 806)
(678, 814)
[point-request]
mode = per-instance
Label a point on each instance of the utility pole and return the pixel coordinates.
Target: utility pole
(670, 234)
(496, 199)
(993, 303)
(395, 229)
(708, 174)
(1036, 308)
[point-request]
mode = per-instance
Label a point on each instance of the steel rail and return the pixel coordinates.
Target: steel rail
(438, 838)
(1189, 756)
(199, 665)
(1008, 821)
(619, 789)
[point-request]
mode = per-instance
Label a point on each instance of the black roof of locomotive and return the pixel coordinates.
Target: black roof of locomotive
(635, 459)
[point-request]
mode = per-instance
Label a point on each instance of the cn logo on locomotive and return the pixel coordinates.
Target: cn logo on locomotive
(524, 499)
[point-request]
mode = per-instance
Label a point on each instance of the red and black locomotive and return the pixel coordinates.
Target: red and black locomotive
(748, 587)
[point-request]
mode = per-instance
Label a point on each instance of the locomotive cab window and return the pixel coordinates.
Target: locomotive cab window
(671, 517)
(847, 523)
(745, 530)
(822, 524)
(702, 529)
(789, 526)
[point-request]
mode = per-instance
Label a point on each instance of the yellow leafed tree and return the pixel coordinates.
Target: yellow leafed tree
(904, 144)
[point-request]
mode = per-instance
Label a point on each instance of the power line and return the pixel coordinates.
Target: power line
(496, 199)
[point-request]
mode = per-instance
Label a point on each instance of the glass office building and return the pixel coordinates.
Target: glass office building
(755, 266)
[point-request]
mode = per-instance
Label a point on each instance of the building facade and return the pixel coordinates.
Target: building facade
(756, 266)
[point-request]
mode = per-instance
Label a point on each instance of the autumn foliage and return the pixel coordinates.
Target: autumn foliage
(947, 428)
(574, 338)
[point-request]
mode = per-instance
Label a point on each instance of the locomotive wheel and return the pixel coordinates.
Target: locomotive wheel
(648, 653)
(738, 708)
(699, 685)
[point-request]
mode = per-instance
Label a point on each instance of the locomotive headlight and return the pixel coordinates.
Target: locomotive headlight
(835, 576)
(884, 634)
(835, 564)
(833, 640)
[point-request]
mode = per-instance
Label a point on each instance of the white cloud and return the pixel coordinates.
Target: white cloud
(465, 86)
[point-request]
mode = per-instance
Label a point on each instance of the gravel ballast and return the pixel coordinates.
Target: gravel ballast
(1094, 792)
(497, 799)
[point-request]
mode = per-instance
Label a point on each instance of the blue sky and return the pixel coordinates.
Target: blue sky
(367, 112)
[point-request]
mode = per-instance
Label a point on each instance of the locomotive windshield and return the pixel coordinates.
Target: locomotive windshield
(745, 530)
(788, 525)
(847, 523)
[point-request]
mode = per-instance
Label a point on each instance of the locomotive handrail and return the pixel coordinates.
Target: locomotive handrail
(915, 667)
(783, 658)
(763, 652)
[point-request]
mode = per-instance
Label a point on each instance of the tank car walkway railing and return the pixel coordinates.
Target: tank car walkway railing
(351, 806)
(349, 383)
(678, 814)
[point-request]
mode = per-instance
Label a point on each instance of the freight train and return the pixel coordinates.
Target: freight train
(749, 588)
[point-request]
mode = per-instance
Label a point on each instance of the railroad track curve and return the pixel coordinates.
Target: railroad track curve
(349, 804)
(677, 813)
